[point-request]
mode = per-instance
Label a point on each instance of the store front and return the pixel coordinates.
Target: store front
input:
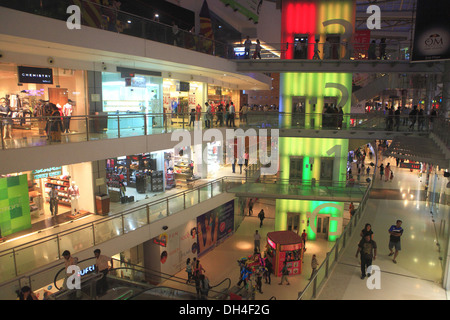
(73, 196)
(125, 94)
(142, 176)
(180, 97)
(28, 89)
(218, 95)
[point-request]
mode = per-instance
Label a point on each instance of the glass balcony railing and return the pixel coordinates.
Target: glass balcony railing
(311, 290)
(393, 50)
(301, 189)
(111, 19)
(39, 131)
(28, 256)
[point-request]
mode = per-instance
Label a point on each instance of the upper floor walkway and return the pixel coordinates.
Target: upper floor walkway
(295, 56)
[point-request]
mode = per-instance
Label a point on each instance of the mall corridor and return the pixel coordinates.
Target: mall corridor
(416, 276)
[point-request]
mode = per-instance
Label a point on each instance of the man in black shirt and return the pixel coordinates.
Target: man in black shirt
(368, 250)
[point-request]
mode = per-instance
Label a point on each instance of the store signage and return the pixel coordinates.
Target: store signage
(35, 75)
(46, 173)
(183, 86)
(161, 240)
(410, 165)
(291, 247)
(432, 31)
(87, 270)
(137, 82)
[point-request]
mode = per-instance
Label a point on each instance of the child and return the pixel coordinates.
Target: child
(368, 170)
(391, 177)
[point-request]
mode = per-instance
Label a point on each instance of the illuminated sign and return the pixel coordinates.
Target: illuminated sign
(46, 173)
(87, 270)
(35, 75)
(410, 165)
(272, 244)
(291, 247)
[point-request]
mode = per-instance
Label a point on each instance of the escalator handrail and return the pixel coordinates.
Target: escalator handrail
(64, 268)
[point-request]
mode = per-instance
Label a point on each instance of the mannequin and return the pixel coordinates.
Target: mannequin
(67, 113)
(5, 114)
(74, 194)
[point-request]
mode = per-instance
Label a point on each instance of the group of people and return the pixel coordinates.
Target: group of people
(218, 112)
(403, 115)
(386, 172)
(256, 267)
(332, 117)
(195, 272)
(367, 247)
(247, 48)
(103, 265)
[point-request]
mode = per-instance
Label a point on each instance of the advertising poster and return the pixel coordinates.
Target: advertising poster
(214, 227)
(432, 31)
(175, 246)
(361, 43)
(14, 204)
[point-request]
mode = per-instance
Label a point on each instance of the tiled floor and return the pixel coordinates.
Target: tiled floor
(416, 276)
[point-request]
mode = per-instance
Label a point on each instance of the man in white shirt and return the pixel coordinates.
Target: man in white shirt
(102, 266)
(257, 238)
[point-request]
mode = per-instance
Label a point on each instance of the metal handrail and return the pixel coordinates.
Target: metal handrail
(312, 284)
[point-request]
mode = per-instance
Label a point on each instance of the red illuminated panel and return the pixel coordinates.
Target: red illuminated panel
(272, 244)
(297, 17)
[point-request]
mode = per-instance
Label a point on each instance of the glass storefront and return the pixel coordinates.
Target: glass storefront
(36, 185)
(28, 90)
(139, 176)
(136, 95)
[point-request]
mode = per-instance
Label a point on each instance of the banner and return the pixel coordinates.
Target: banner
(249, 8)
(206, 45)
(14, 204)
(432, 31)
(361, 43)
(214, 227)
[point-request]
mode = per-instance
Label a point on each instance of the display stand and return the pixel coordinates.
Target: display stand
(62, 185)
(285, 246)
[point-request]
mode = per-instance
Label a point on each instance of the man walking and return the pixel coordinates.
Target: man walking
(102, 266)
(314, 265)
(261, 217)
(368, 250)
(53, 194)
(395, 231)
(257, 239)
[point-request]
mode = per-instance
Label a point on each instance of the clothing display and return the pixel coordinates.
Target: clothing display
(67, 111)
(74, 194)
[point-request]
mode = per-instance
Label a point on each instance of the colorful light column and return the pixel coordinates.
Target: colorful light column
(314, 19)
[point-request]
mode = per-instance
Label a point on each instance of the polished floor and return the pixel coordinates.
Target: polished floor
(416, 276)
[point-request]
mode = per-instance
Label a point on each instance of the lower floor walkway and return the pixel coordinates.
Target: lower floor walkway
(417, 275)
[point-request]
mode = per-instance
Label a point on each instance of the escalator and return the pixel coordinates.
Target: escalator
(133, 282)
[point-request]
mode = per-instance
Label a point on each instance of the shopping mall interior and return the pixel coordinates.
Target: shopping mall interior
(251, 142)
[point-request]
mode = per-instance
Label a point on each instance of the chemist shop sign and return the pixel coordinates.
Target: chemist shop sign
(46, 173)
